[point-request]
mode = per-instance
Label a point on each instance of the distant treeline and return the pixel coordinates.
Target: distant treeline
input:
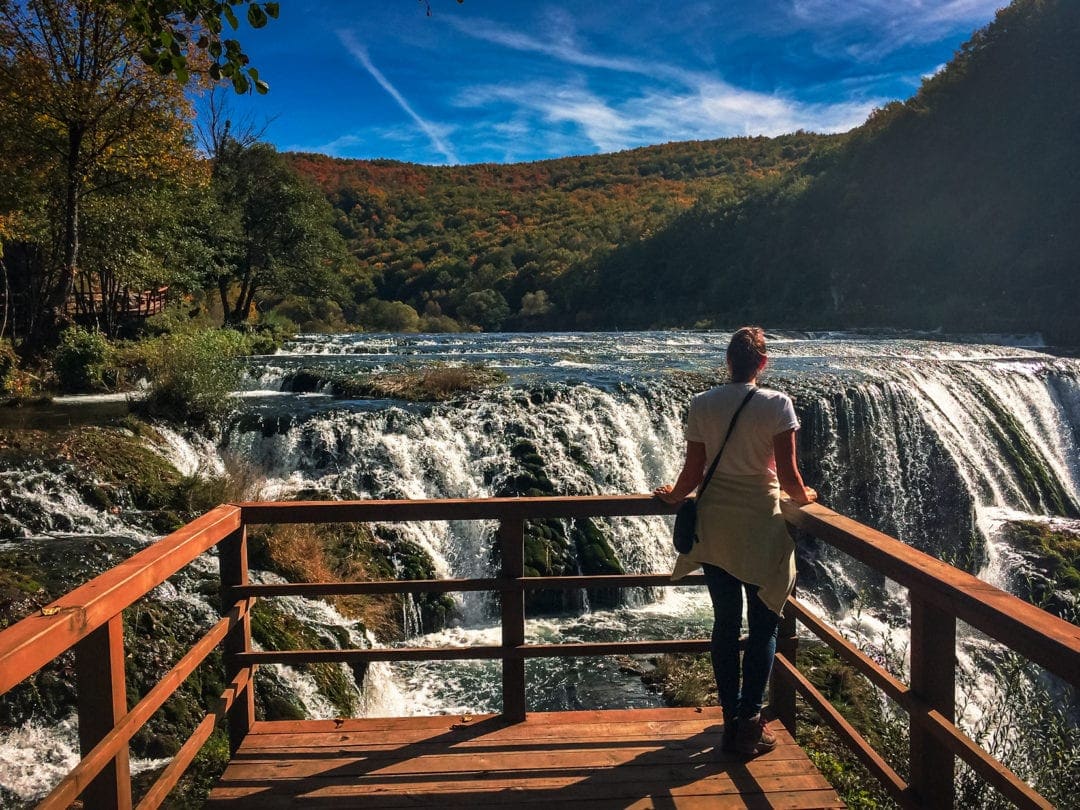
(488, 245)
(957, 209)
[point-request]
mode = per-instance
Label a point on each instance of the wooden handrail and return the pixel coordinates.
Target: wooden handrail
(28, 645)
(567, 506)
(1050, 642)
(941, 595)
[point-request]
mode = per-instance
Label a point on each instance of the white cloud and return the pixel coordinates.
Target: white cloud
(674, 104)
(435, 133)
(867, 30)
(563, 46)
(710, 110)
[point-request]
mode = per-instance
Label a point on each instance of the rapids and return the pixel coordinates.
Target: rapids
(941, 443)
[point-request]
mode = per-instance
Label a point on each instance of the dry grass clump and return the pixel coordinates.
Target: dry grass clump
(436, 383)
(684, 680)
(331, 553)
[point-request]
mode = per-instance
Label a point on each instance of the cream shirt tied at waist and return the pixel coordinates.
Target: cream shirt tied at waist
(740, 528)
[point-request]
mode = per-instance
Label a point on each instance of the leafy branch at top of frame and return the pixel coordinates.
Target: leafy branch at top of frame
(177, 35)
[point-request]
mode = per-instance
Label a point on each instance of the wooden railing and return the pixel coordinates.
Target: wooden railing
(89, 619)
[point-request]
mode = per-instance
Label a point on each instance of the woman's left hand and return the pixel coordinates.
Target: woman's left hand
(664, 493)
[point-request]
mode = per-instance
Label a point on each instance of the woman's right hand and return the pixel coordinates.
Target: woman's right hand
(809, 496)
(664, 493)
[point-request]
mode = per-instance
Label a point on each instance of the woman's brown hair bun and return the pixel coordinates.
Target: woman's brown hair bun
(746, 353)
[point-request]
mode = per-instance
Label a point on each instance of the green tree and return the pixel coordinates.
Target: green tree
(178, 37)
(274, 233)
(486, 308)
(388, 316)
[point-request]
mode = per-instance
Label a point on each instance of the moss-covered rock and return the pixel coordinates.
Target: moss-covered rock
(275, 629)
(555, 547)
(1054, 555)
(344, 552)
(113, 469)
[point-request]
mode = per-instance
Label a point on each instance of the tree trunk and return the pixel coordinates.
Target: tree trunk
(243, 299)
(7, 295)
(247, 302)
(223, 291)
(73, 192)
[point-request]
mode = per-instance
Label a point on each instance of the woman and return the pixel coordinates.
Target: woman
(743, 542)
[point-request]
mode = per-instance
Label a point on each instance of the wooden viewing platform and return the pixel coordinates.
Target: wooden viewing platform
(599, 759)
(633, 758)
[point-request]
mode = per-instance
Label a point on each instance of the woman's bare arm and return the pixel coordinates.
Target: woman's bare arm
(787, 469)
(692, 472)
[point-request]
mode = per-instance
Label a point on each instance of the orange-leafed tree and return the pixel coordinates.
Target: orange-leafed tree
(87, 117)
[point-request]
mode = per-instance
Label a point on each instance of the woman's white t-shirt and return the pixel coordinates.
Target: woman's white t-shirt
(749, 451)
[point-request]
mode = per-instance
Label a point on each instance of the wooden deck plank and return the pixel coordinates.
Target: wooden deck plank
(533, 720)
(530, 792)
(681, 735)
(523, 762)
(633, 758)
(688, 780)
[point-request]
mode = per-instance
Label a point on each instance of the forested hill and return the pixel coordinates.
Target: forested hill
(958, 209)
(485, 245)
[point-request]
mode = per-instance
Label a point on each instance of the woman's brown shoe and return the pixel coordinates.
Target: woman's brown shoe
(753, 737)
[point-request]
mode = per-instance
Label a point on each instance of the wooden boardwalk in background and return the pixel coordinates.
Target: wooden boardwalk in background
(643, 758)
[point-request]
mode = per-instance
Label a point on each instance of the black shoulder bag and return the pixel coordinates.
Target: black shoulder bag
(685, 534)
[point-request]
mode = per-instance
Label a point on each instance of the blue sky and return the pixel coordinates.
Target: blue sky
(509, 80)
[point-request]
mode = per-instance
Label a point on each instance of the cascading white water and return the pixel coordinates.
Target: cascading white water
(905, 435)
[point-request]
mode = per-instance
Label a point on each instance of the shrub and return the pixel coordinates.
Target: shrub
(192, 374)
(81, 360)
(266, 335)
(9, 363)
(388, 316)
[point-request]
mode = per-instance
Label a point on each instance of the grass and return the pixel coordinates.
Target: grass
(435, 383)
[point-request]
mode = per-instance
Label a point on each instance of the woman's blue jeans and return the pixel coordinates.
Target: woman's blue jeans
(726, 592)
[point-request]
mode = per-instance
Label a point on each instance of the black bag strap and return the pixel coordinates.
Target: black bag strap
(731, 427)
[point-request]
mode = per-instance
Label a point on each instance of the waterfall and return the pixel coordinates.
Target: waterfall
(942, 445)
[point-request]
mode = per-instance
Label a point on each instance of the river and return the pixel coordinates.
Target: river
(940, 442)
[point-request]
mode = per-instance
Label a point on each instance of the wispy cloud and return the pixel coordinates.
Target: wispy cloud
(562, 45)
(868, 30)
(433, 132)
(708, 111)
(675, 103)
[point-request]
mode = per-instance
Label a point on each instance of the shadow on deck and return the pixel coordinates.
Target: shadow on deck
(641, 758)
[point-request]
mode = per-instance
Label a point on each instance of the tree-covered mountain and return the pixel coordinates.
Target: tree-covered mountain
(957, 209)
(485, 245)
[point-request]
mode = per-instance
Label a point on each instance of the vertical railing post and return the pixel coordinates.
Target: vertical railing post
(99, 668)
(933, 682)
(232, 558)
(512, 598)
(781, 689)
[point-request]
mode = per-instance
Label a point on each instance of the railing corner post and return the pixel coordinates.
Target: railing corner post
(512, 601)
(781, 689)
(102, 702)
(933, 683)
(233, 561)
